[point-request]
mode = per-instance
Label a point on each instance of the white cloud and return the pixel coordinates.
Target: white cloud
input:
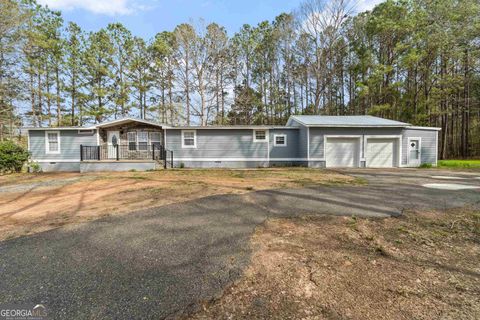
(364, 5)
(107, 7)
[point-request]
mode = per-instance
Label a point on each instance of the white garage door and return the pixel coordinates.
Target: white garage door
(381, 153)
(342, 152)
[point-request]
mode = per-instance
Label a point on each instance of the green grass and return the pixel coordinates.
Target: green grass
(459, 164)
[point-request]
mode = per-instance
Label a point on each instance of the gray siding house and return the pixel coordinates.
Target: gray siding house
(313, 141)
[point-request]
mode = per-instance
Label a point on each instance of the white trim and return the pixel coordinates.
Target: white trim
(275, 144)
(47, 143)
(419, 151)
(98, 137)
(28, 141)
(255, 136)
(165, 138)
(436, 151)
(239, 159)
(399, 147)
(56, 160)
(359, 137)
(194, 139)
(424, 128)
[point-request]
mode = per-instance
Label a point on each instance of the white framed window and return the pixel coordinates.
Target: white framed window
(155, 139)
(52, 142)
(142, 138)
(189, 138)
(260, 136)
(132, 140)
(280, 140)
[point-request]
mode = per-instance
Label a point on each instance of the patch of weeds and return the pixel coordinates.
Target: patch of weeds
(360, 181)
(352, 223)
(402, 229)
(249, 188)
(426, 166)
(138, 178)
(132, 170)
(237, 174)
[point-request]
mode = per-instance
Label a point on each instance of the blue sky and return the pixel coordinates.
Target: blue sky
(147, 17)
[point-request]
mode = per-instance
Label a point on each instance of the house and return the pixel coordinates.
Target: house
(313, 141)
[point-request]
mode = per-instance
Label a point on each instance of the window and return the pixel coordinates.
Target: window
(280, 140)
(260, 136)
(155, 139)
(189, 139)
(142, 137)
(132, 141)
(52, 142)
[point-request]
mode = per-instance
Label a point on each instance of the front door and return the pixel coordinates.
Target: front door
(414, 152)
(113, 138)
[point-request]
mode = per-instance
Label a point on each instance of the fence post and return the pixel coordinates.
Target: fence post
(171, 161)
(153, 151)
(164, 156)
(98, 153)
(81, 152)
(118, 156)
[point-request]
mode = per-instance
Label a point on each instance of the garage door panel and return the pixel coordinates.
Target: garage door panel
(381, 153)
(342, 152)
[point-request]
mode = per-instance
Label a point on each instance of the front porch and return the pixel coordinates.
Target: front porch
(127, 144)
(131, 153)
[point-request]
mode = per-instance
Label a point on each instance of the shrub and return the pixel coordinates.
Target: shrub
(12, 156)
(182, 165)
(34, 167)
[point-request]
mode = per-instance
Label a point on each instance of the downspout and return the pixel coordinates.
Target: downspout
(268, 149)
(308, 146)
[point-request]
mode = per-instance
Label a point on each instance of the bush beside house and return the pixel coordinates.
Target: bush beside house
(12, 157)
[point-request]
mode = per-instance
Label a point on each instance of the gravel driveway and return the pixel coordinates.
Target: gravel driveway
(160, 263)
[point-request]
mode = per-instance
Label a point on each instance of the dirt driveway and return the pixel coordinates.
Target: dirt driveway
(31, 203)
(165, 261)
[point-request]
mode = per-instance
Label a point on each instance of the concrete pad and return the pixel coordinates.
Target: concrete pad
(449, 186)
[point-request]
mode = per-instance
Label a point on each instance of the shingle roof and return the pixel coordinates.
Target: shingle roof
(347, 121)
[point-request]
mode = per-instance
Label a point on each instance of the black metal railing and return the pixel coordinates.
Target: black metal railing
(127, 152)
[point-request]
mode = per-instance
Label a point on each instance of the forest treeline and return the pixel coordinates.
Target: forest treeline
(410, 60)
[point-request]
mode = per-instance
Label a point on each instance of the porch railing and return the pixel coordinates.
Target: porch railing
(120, 152)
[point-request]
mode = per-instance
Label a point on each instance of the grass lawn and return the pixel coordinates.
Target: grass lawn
(423, 265)
(31, 203)
(464, 164)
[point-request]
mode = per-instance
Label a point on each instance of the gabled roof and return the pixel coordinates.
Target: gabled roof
(345, 121)
(126, 120)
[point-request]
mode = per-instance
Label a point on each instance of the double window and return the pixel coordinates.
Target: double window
(142, 140)
(189, 139)
(52, 142)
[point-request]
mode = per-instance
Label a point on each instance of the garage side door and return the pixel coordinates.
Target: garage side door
(381, 153)
(342, 152)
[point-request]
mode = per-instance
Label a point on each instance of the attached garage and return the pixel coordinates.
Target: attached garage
(382, 152)
(342, 152)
